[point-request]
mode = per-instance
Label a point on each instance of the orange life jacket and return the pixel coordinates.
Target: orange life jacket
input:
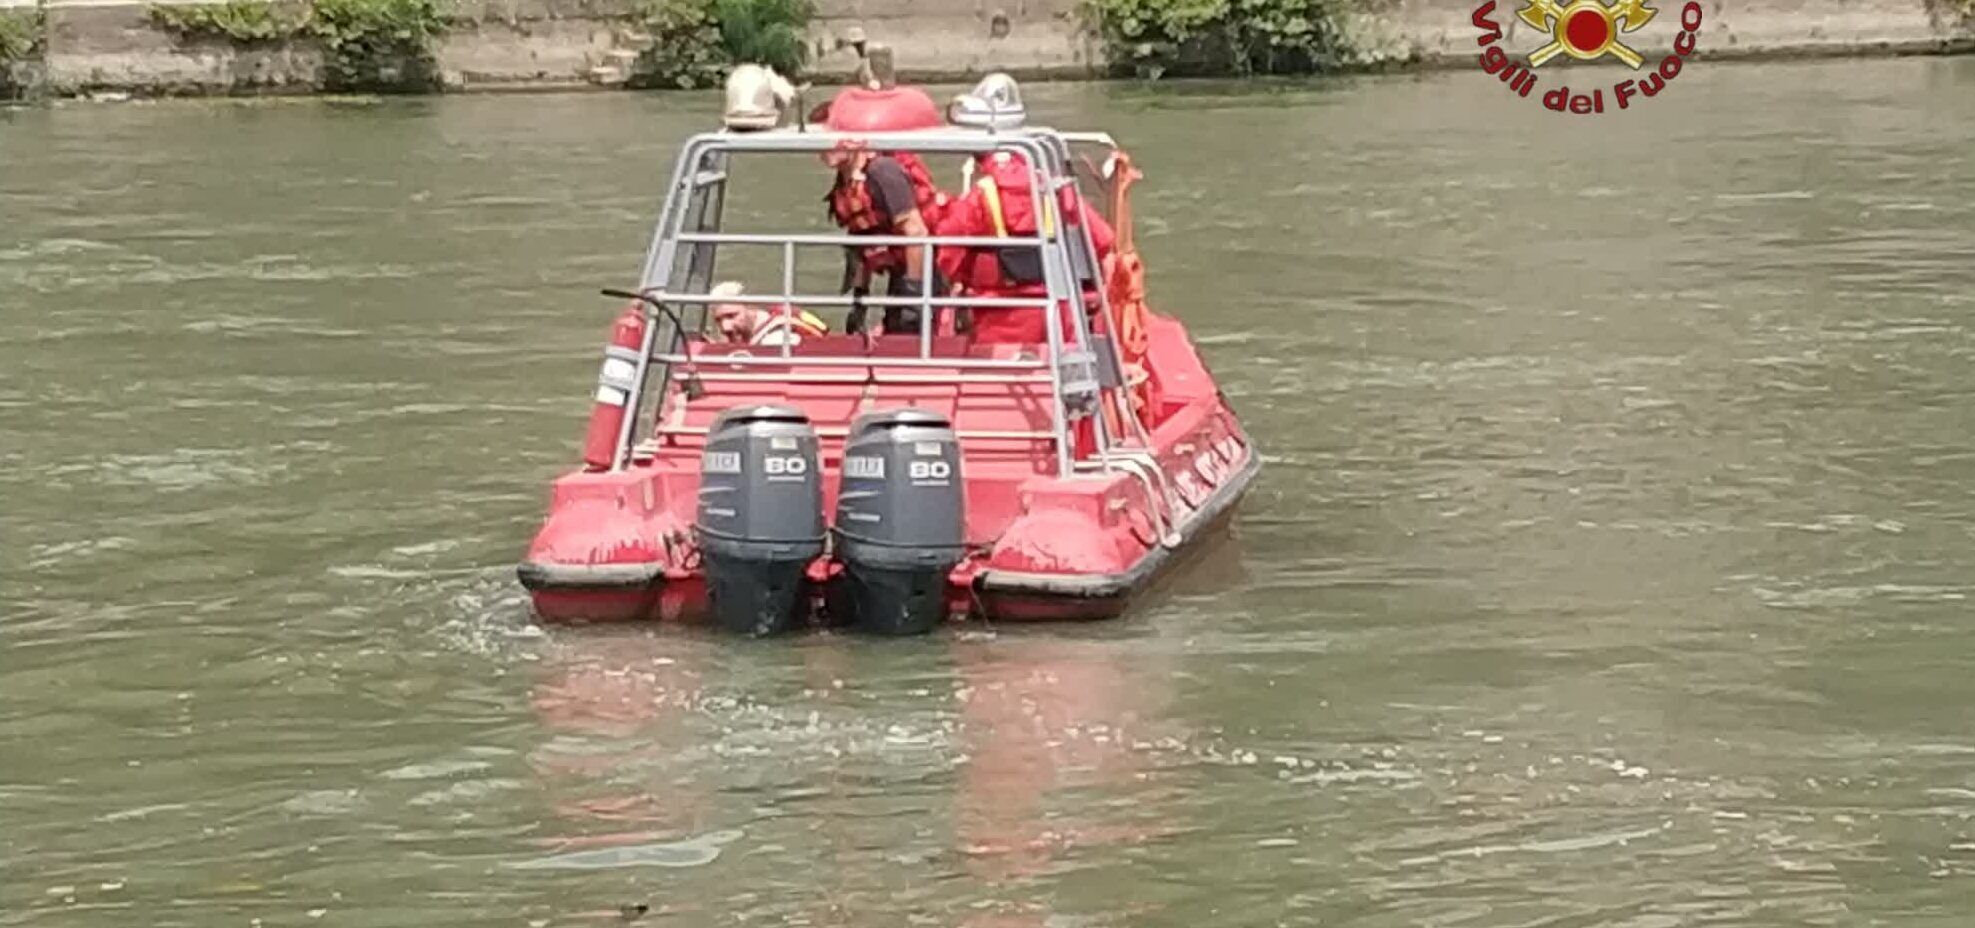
(852, 208)
(800, 323)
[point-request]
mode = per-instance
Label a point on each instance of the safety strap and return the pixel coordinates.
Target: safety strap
(991, 193)
(992, 196)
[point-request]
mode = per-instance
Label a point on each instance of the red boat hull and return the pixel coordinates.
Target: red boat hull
(617, 545)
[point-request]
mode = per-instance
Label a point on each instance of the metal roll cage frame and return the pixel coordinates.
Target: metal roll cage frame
(1082, 369)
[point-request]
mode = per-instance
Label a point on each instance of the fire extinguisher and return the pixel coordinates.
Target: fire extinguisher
(614, 385)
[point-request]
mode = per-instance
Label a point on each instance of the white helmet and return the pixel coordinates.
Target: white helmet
(755, 97)
(994, 103)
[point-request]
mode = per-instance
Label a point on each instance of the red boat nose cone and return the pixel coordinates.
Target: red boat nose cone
(893, 109)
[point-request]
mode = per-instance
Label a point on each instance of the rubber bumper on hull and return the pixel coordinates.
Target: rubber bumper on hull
(535, 577)
(1011, 595)
(592, 592)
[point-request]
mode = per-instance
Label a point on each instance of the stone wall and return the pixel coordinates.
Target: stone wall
(113, 45)
(494, 44)
(116, 46)
(941, 39)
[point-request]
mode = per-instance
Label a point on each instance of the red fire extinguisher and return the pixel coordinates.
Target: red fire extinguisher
(614, 385)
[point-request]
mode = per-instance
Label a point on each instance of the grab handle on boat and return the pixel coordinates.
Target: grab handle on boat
(1143, 466)
(694, 389)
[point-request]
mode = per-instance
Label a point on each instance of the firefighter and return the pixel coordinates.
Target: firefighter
(1001, 203)
(886, 193)
(773, 327)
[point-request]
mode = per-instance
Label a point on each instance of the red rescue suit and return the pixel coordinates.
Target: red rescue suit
(1002, 204)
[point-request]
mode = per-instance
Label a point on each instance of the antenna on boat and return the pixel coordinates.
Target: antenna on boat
(994, 104)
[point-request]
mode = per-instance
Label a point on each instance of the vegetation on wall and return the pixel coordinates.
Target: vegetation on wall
(1220, 37)
(685, 45)
(247, 22)
(379, 44)
(766, 32)
(368, 44)
(695, 42)
(20, 41)
(20, 35)
(387, 44)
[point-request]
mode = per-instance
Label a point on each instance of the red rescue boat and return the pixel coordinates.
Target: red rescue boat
(890, 481)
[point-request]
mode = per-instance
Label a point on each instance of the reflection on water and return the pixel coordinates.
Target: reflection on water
(1609, 568)
(638, 749)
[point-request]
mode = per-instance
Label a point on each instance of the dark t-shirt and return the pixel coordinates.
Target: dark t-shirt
(891, 189)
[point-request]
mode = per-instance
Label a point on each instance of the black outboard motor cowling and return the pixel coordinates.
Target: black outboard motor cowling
(901, 518)
(760, 520)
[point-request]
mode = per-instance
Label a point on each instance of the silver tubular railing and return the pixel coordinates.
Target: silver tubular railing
(957, 141)
(690, 179)
(926, 278)
(788, 294)
(661, 254)
(1088, 242)
(1059, 287)
(845, 299)
(978, 364)
(943, 378)
(1072, 365)
(1139, 461)
(843, 431)
(847, 240)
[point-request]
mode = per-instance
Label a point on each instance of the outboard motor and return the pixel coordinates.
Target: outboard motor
(901, 515)
(760, 516)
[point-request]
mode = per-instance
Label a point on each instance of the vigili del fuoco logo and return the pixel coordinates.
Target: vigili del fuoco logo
(1586, 30)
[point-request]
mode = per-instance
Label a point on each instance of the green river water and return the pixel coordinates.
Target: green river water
(1611, 565)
